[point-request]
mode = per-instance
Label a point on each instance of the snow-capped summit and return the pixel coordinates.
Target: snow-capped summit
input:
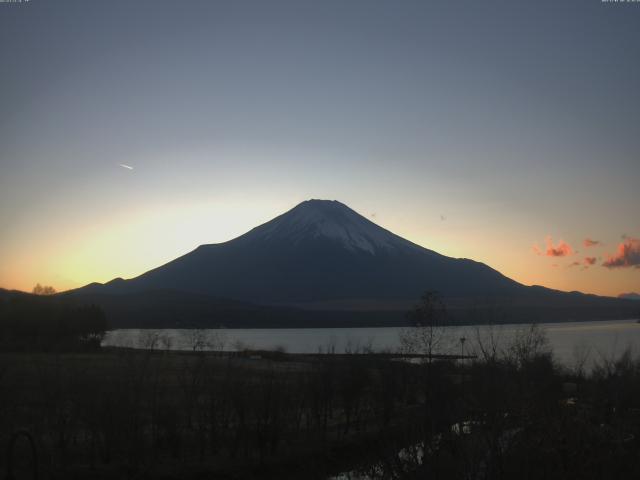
(319, 251)
(329, 219)
(321, 256)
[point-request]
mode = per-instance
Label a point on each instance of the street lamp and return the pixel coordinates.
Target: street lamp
(462, 340)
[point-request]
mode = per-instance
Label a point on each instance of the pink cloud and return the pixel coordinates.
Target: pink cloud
(627, 255)
(589, 260)
(588, 242)
(562, 249)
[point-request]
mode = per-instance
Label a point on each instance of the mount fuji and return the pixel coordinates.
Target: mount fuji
(320, 256)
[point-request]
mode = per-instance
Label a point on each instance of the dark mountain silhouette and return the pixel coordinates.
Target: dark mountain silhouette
(318, 251)
(630, 296)
(323, 256)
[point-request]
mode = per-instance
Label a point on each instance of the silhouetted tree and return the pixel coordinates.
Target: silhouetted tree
(43, 290)
(43, 323)
(427, 319)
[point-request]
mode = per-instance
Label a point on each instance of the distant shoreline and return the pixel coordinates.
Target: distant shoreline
(398, 325)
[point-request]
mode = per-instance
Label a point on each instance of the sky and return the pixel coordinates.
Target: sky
(507, 132)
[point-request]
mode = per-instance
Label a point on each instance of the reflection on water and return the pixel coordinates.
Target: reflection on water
(571, 342)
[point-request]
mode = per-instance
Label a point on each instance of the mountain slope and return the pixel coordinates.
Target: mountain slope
(322, 264)
(320, 251)
(630, 296)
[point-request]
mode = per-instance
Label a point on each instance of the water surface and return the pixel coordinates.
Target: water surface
(570, 342)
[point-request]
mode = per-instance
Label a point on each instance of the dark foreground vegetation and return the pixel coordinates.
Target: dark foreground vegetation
(510, 413)
(69, 409)
(45, 323)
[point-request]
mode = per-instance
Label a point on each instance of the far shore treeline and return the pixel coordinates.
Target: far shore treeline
(48, 323)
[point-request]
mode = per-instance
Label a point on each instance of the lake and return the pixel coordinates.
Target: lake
(570, 341)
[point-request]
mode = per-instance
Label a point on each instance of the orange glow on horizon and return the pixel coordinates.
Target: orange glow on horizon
(131, 244)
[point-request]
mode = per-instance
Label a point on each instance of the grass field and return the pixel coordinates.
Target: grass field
(118, 413)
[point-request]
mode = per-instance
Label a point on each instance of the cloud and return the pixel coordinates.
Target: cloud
(563, 249)
(574, 264)
(586, 262)
(627, 255)
(588, 242)
(128, 167)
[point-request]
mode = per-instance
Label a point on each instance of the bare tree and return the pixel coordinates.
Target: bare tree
(43, 290)
(488, 341)
(581, 354)
(427, 332)
(528, 344)
(149, 339)
(166, 341)
(216, 340)
(196, 339)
